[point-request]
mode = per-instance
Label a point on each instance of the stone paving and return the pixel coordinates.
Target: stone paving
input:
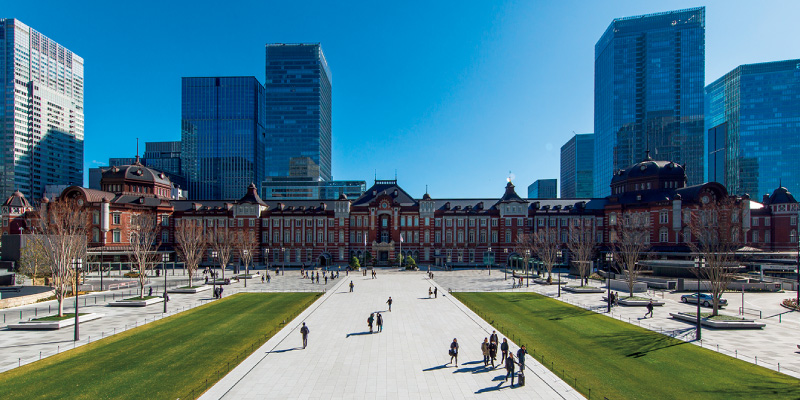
(408, 360)
(775, 344)
(22, 347)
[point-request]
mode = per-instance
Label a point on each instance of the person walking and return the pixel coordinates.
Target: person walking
(389, 302)
(262, 279)
(510, 366)
(150, 292)
(521, 357)
(326, 279)
(351, 286)
(485, 351)
(616, 299)
(493, 338)
(220, 292)
(370, 320)
(269, 278)
(304, 332)
(492, 352)
(649, 309)
(504, 350)
(430, 292)
(435, 292)
(453, 352)
(380, 322)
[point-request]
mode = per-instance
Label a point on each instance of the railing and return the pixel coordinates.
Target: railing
(751, 311)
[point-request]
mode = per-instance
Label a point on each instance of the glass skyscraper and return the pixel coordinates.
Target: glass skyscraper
(648, 93)
(41, 118)
(577, 162)
(753, 128)
(543, 189)
(222, 136)
(298, 86)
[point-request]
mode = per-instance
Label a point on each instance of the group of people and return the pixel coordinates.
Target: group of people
(489, 348)
(433, 292)
(315, 278)
(373, 273)
(218, 292)
(376, 318)
(613, 299)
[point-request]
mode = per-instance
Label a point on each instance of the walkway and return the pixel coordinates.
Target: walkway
(406, 361)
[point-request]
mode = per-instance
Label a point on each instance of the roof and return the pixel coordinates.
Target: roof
(781, 195)
(387, 187)
(17, 199)
(650, 168)
(510, 194)
(252, 196)
(136, 172)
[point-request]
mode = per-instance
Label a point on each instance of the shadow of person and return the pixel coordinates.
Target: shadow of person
(284, 350)
(435, 368)
(358, 334)
(490, 388)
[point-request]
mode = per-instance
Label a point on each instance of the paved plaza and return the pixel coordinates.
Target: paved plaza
(405, 361)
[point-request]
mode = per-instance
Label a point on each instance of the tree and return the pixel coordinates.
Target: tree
(33, 260)
(354, 263)
(60, 233)
(716, 229)
(629, 241)
(410, 263)
(246, 244)
(191, 244)
(144, 245)
(222, 242)
(545, 244)
(400, 260)
(582, 245)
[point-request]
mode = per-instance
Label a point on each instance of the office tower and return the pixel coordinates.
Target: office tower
(753, 128)
(41, 118)
(577, 166)
(165, 157)
(303, 166)
(543, 189)
(298, 86)
(309, 188)
(649, 74)
(222, 135)
(118, 161)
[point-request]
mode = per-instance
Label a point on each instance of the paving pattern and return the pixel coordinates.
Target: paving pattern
(408, 360)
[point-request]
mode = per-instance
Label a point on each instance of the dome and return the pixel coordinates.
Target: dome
(138, 173)
(426, 197)
(342, 196)
(649, 168)
(781, 195)
(17, 199)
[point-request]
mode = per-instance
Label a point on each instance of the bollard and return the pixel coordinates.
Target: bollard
(40, 355)
(35, 312)
(737, 353)
(756, 360)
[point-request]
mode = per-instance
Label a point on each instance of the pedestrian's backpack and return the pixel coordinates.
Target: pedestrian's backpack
(521, 379)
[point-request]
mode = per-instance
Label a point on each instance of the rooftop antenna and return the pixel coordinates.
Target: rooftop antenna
(376, 177)
(395, 174)
(426, 189)
(137, 150)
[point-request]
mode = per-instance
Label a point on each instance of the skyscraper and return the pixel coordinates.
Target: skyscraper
(577, 162)
(165, 157)
(222, 135)
(649, 74)
(41, 118)
(753, 128)
(543, 189)
(298, 87)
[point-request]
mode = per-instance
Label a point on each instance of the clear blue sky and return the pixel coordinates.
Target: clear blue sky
(450, 94)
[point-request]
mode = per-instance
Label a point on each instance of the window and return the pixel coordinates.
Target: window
(793, 236)
(766, 221)
(520, 221)
(309, 237)
(320, 237)
(687, 235)
(472, 236)
(508, 221)
(483, 236)
(766, 237)
(115, 218)
(472, 255)
(438, 223)
(251, 222)
(116, 236)
(438, 237)
(755, 221)
(508, 236)
(448, 223)
(472, 223)
(449, 237)
(96, 218)
(402, 221)
(663, 217)
(793, 220)
(460, 237)
(494, 222)
(297, 237)
(755, 236)
(165, 220)
(164, 236)
(95, 235)
(427, 221)
(427, 236)
(663, 235)
(494, 237)
(612, 219)
(552, 222)
(460, 222)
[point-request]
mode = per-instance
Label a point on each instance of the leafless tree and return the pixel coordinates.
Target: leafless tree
(524, 246)
(630, 239)
(144, 245)
(716, 229)
(222, 242)
(60, 232)
(33, 260)
(191, 244)
(582, 245)
(547, 247)
(246, 244)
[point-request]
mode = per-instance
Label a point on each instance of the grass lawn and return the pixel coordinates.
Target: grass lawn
(618, 360)
(165, 359)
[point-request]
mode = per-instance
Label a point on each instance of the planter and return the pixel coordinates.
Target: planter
(136, 303)
(737, 324)
(576, 289)
(196, 289)
(544, 282)
(51, 325)
(219, 282)
(639, 303)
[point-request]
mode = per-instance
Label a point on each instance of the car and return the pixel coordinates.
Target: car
(706, 299)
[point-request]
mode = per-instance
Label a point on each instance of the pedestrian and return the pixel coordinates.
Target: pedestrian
(304, 332)
(326, 279)
(389, 302)
(649, 309)
(492, 352)
(430, 292)
(206, 280)
(150, 292)
(435, 292)
(220, 292)
(485, 351)
(611, 299)
(521, 357)
(510, 366)
(616, 299)
(370, 320)
(380, 322)
(504, 350)
(262, 279)
(351, 286)
(493, 338)
(453, 352)
(269, 278)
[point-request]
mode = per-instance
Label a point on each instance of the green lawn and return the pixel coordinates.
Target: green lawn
(165, 359)
(618, 360)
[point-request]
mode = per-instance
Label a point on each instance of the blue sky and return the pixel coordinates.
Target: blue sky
(452, 95)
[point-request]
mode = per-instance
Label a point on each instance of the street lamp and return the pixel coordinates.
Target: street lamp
(164, 259)
(78, 263)
(213, 274)
(527, 257)
(609, 261)
(489, 261)
(563, 252)
(698, 262)
(246, 268)
(283, 258)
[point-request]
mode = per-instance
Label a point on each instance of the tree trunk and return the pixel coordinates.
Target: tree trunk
(60, 305)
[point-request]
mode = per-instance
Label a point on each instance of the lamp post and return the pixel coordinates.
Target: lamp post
(213, 274)
(527, 257)
(698, 261)
(77, 262)
(164, 259)
(246, 268)
(559, 272)
(797, 301)
(609, 261)
(489, 261)
(283, 258)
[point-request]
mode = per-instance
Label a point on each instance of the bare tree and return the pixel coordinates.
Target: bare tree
(716, 232)
(629, 241)
(60, 232)
(191, 244)
(582, 245)
(144, 245)
(222, 242)
(546, 246)
(33, 260)
(246, 243)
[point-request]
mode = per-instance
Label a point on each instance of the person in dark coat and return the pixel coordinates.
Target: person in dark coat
(380, 322)
(150, 292)
(521, 357)
(351, 286)
(304, 332)
(453, 352)
(510, 366)
(492, 352)
(649, 309)
(493, 338)
(504, 350)
(435, 292)
(389, 302)
(370, 320)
